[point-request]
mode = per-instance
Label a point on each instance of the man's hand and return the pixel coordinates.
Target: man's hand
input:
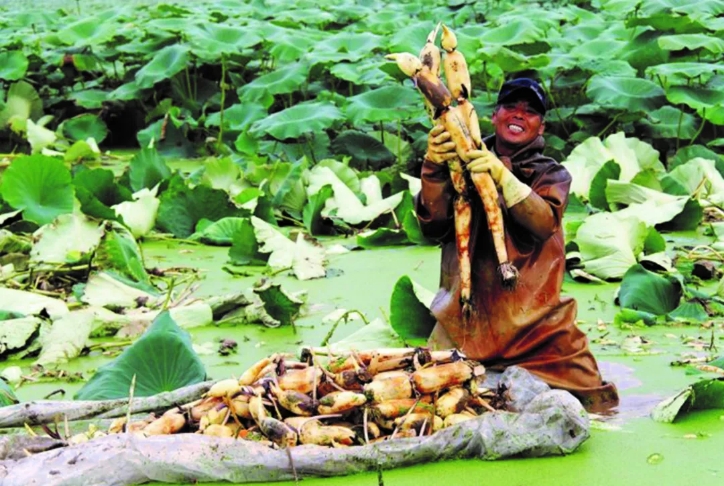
(439, 147)
(486, 161)
(513, 190)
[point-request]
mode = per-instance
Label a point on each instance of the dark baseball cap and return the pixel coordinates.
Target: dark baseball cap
(523, 88)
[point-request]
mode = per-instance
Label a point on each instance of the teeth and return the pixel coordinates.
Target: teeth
(515, 128)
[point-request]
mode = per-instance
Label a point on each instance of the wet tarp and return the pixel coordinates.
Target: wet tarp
(540, 422)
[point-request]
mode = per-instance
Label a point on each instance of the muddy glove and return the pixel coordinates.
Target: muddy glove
(513, 190)
(439, 147)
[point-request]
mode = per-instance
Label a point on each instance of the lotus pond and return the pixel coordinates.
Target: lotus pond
(161, 155)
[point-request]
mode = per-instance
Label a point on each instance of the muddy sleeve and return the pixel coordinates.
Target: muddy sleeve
(434, 202)
(541, 212)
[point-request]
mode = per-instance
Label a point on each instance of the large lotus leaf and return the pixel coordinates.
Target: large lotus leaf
(90, 99)
(684, 72)
(22, 103)
(366, 72)
(165, 64)
(222, 173)
(345, 173)
(290, 47)
(119, 253)
(221, 232)
(385, 104)
(182, 207)
(598, 49)
(244, 247)
(304, 257)
(298, 120)
(692, 42)
(238, 117)
(520, 30)
(88, 31)
(40, 186)
(357, 44)
(402, 33)
(70, 239)
(609, 243)
(625, 93)
(632, 155)
(146, 169)
(702, 395)
(649, 292)
(670, 122)
(597, 194)
(511, 61)
(13, 65)
(345, 204)
(97, 191)
(700, 176)
(584, 161)
(85, 126)
(312, 212)
(410, 314)
(652, 207)
(139, 215)
(284, 80)
(366, 151)
(210, 40)
(30, 303)
(695, 97)
(162, 360)
(288, 188)
(66, 337)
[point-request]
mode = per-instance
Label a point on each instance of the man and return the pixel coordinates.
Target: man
(531, 326)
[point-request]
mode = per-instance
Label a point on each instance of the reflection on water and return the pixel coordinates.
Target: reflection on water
(630, 405)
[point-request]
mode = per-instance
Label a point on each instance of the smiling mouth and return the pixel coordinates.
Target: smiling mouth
(515, 128)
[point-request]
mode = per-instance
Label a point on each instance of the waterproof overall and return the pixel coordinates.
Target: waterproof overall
(531, 326)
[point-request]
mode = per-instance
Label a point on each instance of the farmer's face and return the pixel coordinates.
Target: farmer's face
(516, 123)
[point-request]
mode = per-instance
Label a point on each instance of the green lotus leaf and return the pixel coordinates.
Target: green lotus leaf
(410, 315)
(88, 31)
(609, 243)
(284, 80)
(367, 152)
(298, 120)
(69, 239)
(518, 31)
(40, 186)
(210, 40)
(597, 194)
(598, 49)
(221, 232)
(407, 33)
(367, 72)
(97, 191)
(244, 247)
(684, 72)
(90, 99)
(238, 117)
(312, 213)
(644, 51)
(23, 103)
(161, 360)
(146, 169)
(120, 254)
(182, 208)
(692, 42)
(624, 93)
(165, 64)
(389, 103)
(670, 122)
(85, 126)
(649, 292)
(353, 46)
(13, 65)
(702, 395)
(652, 207)
(695, 97)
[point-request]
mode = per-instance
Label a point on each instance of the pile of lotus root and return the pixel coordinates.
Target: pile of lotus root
(337, 400)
